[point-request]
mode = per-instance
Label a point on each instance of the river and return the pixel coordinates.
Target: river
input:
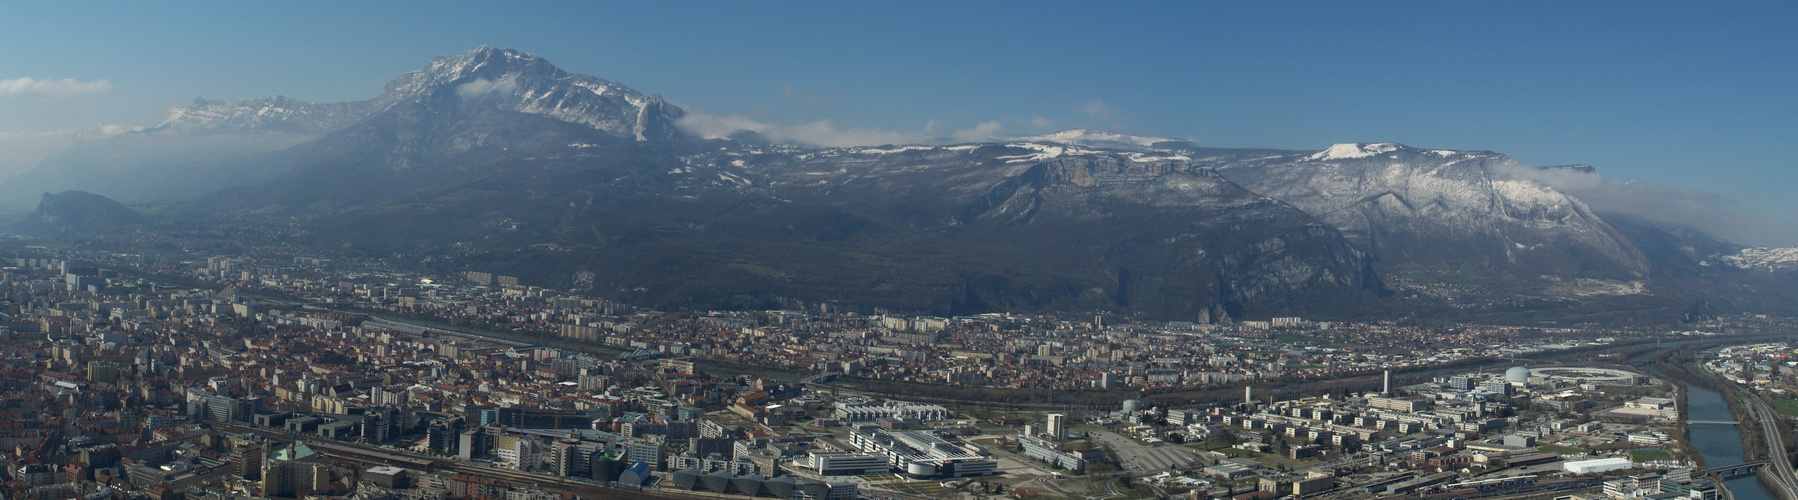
(1720, 444)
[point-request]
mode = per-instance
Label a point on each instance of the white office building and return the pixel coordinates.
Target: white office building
(848, 464)
(922, 453)
(891, 410)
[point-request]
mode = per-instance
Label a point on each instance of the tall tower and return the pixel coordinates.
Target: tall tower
(1386, 385)
(1248, 395)
(1058, 426)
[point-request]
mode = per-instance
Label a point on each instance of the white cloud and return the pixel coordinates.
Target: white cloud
(1097, 110)
(31, 87)
(711, 126)
(1041, 122)
(985, 131)
(483, 86)
(1664, 204)
(826, 133)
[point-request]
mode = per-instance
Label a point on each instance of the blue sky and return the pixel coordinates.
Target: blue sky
(1690, 98)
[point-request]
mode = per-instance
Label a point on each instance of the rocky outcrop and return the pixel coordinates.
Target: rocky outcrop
(74, 212)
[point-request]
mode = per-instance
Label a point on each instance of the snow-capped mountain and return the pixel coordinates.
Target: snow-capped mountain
(496, 159)
(451, 106)
(484, 77)
(515, 81)
(1407, 205)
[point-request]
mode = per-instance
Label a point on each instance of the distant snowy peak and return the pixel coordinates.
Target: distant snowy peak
(1025, 152)
(279, 114)
(484, 77)
(1765, 259)
(522, 82)
(465, 73)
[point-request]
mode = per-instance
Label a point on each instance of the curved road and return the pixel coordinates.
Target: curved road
(1044, 480)
(1784, 481)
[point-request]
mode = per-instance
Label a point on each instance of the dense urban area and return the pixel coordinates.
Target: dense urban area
(131, 376)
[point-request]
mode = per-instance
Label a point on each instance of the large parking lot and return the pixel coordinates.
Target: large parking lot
(1135, 457)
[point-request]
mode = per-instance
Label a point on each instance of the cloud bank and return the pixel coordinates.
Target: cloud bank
(31, 87)
(824, 133)
(1658, 203)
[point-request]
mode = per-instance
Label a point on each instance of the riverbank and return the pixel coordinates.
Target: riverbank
(1709, 398)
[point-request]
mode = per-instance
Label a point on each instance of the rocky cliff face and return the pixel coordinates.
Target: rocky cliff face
(514, 81)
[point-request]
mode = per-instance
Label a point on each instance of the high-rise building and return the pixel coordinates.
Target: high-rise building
(384, 396)
(1057, 426)
(646, 449)
(246, 460)
(444, 434)
(294, 479)
(566, 458)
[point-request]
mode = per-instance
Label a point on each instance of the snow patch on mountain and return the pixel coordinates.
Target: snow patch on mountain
(1534, 195)
(517, 81)
(1764, 258)
(1348, 151)
(501, 78)
(1043, 152)
(1051, 151)
(261, 114)
(881, 150)
(1391, 197)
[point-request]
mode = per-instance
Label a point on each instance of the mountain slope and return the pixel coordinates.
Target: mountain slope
(509, 80)
(1411, 206)
(76, 212)
(210, 145)
(264, 114)
(947, 229)
(495, 160)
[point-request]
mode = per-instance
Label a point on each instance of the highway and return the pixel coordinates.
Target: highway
(1781, 477)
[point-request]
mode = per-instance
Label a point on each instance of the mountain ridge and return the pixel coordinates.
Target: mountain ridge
(214, 144)
(497, 160)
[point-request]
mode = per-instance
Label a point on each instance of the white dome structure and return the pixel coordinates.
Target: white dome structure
(1517, 374)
